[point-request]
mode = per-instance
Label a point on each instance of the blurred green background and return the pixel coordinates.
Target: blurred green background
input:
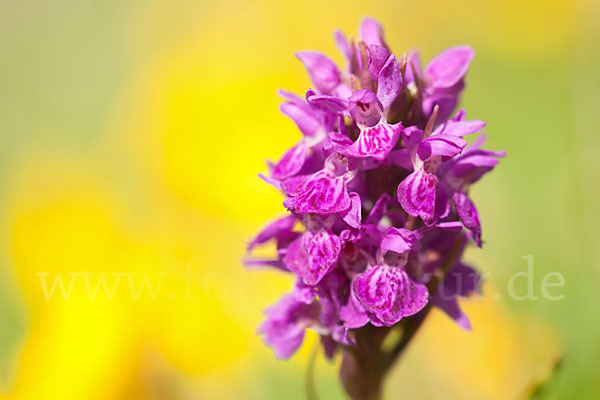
(131, 133)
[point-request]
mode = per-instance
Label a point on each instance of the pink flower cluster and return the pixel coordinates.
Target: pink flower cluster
(377, 191)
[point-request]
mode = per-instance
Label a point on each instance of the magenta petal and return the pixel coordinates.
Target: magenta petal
(461, 280)
(442, 204)
(416, 194)
(445, 99)
(353, 314)
(313, 255)
(376, 141)
(321, 194)
(293, 184)
(295, 257)
(453, 310)
(323, 72)
(441, 145)
(389, 82)
(279, 228)
(475, 162)
(339, 142)
(308, 123)
(398, 240)
(303, 292)
(459, 128)
(450, 226)
(342, 44)
(412, 137)
(449, 67)
(328, 103)
(378, 56)
(371, 32)
(389, 293)
(353, 216)
(322, 250)
(468, 214)
(379, 209)
(473, 166)
(290, 163)
(283, 329)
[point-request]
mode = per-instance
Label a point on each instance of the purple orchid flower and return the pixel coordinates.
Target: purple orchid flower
(377, 189)
(386, 290)
(323, 192)
(417, 193)
(377, 138)
(314, 254)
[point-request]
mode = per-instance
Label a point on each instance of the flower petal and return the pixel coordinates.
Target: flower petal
(378, 56)
(457, 126)
(281, 228)
(307, 121)
(389, 82)
(342, 44)
(453, 310)
(322, 193)
(441, 145)
(353, 216)
(371, 32)
(468, 214)
(398, 240)
(416, 194)
(285, 324)
(474, 162)
(389, 293)
(353, 314)
(412, 137)
(329, 103)
(323, 249)
(376, 141)
(290, 163)
(461, 280)
(379, 209)
(313, 255)
(445, 98)
(323, 72)
(449, 67)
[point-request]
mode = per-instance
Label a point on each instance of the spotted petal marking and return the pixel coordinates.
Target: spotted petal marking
(290, 163)
(375, 141)
(389, 293)
(322, 194)
(322, 249)
(416, 194)
(313, 255)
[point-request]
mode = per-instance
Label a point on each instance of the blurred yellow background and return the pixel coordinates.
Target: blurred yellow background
(131, 134)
